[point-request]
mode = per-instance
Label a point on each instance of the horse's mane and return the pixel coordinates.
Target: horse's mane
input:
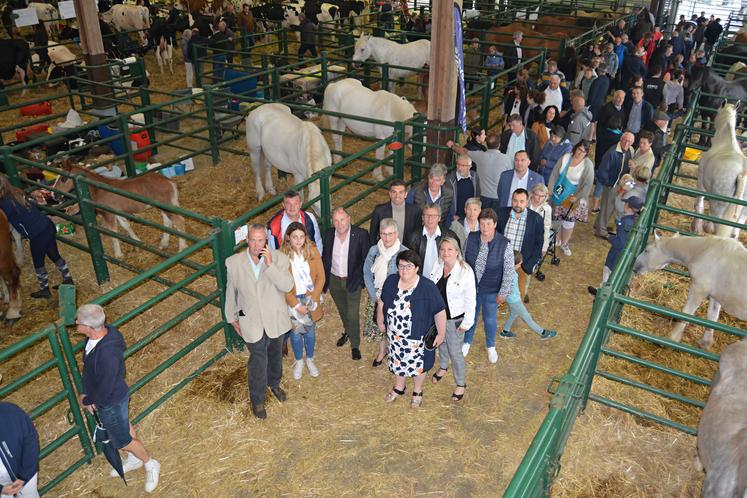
(89, 173)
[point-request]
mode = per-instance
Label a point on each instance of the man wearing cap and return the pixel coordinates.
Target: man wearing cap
(660, 141)
(633, 205)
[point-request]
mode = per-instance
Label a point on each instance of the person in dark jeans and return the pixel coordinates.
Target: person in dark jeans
(308, 36)
(32, 224)
(256, 284)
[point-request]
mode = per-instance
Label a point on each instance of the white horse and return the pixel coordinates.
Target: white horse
(276, 137)
(717, 267)
(349, 96)
(414, 54)
(722, 431)
(723, 170)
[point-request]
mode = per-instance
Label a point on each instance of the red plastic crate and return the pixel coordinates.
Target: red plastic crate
(139, 140)
(40, 109)
(23, 134)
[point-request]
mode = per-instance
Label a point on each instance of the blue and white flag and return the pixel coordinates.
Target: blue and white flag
(461, 104)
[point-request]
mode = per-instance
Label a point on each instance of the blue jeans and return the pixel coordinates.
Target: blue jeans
(307, 341)
(518, 310)
(115, 419)
(486, 301)
(598, 189)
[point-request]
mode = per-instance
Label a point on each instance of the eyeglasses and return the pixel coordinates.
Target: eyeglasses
(431, 216)
(408, 266)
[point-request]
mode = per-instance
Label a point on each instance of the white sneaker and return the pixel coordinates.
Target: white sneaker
(151, 475)
(566, 249)
(131, 463)
(465, 348)
(492, 355)
(298, 369)
(313, 371)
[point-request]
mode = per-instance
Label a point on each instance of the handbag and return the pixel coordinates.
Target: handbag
(430, 338)
(563, 188)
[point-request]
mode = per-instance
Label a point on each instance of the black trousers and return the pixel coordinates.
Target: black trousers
(307, 46)
(265, 367)
(44, 244)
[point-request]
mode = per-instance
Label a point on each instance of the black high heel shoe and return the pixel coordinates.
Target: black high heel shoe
(456, 398)
(378, 362)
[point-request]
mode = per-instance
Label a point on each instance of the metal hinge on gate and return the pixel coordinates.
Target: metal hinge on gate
(563, 390)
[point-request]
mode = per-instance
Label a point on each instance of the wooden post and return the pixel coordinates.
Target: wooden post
(442, 83)
(92, 46)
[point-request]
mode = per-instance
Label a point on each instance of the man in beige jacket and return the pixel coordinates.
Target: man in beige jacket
(257, 280)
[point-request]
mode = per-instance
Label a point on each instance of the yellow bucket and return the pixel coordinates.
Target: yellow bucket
(49, 176)
(692, 154)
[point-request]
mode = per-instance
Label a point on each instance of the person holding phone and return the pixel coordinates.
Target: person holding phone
(257, 281)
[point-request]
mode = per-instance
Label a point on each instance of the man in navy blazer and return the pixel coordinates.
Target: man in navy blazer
(345, 250)
(519, 177)
(525, 231)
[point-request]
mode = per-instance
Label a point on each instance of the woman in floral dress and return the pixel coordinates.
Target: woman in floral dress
(408, 307)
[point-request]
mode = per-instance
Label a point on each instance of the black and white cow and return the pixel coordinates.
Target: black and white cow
(15, 60)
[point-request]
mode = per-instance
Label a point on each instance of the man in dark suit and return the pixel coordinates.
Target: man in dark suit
(519, 177)
(407, 216)
(525, 231)
(638, 112)
(425, 242)
(345, 250)
(513, 55)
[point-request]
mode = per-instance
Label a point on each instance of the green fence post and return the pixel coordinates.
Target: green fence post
(10, 167)
(485, 107)
(320, 34)
(366, 74)
(88, 215)
(124, 131)
(399, 154)
(275, 83)
(326, 202)
(325, 69)
(418, 145)
(541, 67)
(212, 125)
(197, 67)
(284, 41)
(222, 250)
(384, 76)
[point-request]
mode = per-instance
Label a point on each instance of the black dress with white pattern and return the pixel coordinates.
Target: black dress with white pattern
(407, 357)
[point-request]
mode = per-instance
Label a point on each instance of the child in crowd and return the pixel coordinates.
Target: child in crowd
(494, 62)
(518, 310)
(632, 207)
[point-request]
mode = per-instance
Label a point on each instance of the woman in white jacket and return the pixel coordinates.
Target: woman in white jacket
(456, 283)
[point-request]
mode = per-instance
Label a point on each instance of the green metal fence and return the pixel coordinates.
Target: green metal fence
(541, 463)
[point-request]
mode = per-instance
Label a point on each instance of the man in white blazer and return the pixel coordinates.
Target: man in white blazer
(257, 280)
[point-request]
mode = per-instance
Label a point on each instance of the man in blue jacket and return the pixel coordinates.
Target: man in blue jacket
(614, 164)
(519, 177)
(525, 231)
(19, 452)
(105, 390)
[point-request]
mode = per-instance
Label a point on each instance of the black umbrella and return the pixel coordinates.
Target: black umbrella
(101, 435)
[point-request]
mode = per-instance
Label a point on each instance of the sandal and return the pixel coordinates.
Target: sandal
(394, 394)
(435, 379)
(456, 398)
(415, 403)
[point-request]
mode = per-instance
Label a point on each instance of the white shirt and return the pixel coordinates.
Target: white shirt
(431, 250)
(515, 144)
(92, 344)
(517, 183)
(518, 51)
(340, 255)
(553, 97)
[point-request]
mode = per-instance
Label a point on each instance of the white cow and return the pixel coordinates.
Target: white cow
(60, 56)
(128, 17)
(723, 170)
(276, 137)
(722, 431)
(49, 15)
(414, 54)
(349, 96)
(717, 267)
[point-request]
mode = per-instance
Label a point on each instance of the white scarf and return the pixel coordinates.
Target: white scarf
(380, 267)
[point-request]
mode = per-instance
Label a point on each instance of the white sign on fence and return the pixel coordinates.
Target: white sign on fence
(241, 233)
(67, 9)
(26, 17)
